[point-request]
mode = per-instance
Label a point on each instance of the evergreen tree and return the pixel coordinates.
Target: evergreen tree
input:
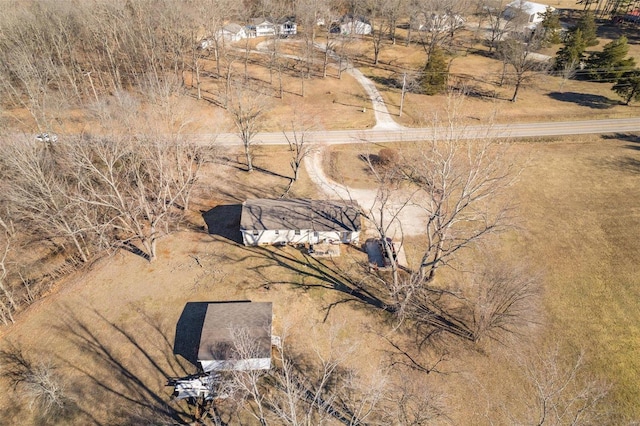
(587, 24)
(610, 64)
(570, 56)
(551, 26)
(436, 73)
(628, 86)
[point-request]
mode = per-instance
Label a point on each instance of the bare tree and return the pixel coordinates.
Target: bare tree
(518, 52)
(505, 300)
(36, 381)
(556, 389)
(299, 145)
(380, 26)
(7, 302)
(247, 110)
(140, 201)
(38, 189)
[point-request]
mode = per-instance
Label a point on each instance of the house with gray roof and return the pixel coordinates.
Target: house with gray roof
(299, 221)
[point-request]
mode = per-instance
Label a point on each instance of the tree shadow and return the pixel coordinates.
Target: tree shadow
(131, 248)
(224, 220)
(627, 137)
(353, 286)
(584, 99)
(313, 273)
(127, 375)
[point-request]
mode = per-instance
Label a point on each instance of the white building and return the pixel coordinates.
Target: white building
(354, 25)
(233, 32)
(261, 27)
(299, 221)
(533, 12)
(286, 27)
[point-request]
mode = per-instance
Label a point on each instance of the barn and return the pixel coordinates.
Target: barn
(299, 221)
(236, 336)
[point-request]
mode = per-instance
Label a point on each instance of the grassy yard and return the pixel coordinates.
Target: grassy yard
(110, 328)
(578, 203)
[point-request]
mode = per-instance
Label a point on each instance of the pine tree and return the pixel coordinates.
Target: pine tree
(551, 25)
(610, 64)
(570, 56)
(628, 86)
(587, 24)
(436, 73)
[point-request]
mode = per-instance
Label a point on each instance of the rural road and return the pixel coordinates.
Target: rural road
(406, 134)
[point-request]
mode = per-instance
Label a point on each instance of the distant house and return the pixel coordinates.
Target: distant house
(261, 27)
(299, 221)
(532, 11)
(350, 24)
(236, 336)
(286, 27)
(436, 22)
(233, 32)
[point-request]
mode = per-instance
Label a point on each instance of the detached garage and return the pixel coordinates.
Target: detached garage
(236, 336)
(299, 221)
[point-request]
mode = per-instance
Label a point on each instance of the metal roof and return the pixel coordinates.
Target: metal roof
(226, 322)
(299, 213)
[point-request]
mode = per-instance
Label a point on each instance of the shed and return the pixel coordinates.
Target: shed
(299, 221)
(236, 336)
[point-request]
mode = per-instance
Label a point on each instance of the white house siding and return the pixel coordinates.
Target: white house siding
(361, 28)
(265, 30)
(304, 236)
(243, 365)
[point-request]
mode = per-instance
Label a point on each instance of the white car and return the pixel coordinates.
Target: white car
(46, 137)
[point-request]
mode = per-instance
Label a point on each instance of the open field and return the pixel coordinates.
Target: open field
(111, 327)
(577, 200)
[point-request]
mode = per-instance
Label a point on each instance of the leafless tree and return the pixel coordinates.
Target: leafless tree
(299, 144)
(36, 381)
(248, 381)
(247, 110)
(518, 53)
(38, 187)
(7, 302)
(438, 22)
(505, 302)
(556, 389)
(492, 12)
(380, 25)
(137, 183)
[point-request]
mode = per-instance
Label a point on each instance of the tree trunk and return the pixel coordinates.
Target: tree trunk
(247, 154)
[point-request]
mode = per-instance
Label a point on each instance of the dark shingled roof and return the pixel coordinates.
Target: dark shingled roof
(224, 319)
(293, 214)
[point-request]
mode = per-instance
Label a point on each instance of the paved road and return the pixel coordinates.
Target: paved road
(516, 130)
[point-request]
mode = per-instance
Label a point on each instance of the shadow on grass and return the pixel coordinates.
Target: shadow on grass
(224, 221)
(584, 99)
(126, 374)
(353, 285)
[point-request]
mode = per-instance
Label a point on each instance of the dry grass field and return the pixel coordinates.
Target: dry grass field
(110, 327)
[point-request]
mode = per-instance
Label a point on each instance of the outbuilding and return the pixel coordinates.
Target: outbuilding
(236, 336)
(299, 221)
